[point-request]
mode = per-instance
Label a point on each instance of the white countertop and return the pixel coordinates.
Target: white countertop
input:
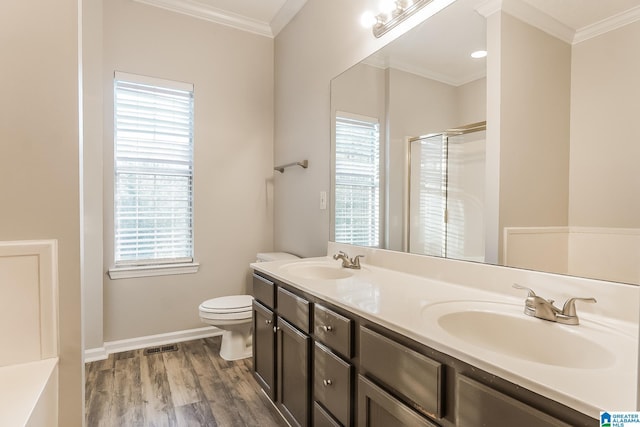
(399, 301)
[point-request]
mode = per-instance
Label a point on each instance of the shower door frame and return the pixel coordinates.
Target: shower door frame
(461, 130)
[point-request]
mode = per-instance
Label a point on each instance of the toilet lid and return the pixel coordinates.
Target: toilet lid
(228, 304)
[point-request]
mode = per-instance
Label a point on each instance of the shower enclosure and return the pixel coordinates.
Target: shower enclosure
(446, 193)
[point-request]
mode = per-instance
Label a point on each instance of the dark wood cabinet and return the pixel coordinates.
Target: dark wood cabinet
(293, 397)
(377, 408)
(264, 344)
(325, 366)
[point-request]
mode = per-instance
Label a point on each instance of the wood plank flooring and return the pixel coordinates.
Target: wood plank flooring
(192, 386)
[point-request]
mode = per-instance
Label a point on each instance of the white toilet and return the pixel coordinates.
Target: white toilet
(233, 315)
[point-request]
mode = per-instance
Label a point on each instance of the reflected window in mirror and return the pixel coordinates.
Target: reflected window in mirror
(357, 180)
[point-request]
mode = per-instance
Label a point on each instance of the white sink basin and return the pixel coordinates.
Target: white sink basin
(505, 329)
(318, 270)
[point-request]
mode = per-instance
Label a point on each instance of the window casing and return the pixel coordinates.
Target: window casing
(357, 180)
(153, 165)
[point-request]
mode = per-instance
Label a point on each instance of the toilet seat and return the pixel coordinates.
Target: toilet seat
(233, 307)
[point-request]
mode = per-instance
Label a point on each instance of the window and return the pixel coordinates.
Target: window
(153, 132)
(357, 175)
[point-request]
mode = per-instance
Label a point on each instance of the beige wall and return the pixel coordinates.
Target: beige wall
(472, 102)
(39, 151)
(232, 72)
(360, 90)
(534, 126)
(605, 100)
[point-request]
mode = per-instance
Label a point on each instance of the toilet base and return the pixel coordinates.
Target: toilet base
(236, 344)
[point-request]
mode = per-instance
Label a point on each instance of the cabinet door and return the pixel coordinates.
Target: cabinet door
(294, 395)
(264, 340)
(478, 404)
(377, 408)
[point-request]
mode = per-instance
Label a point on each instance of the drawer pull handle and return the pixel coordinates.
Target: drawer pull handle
(327, 328)
(327, 383)
(268, 322)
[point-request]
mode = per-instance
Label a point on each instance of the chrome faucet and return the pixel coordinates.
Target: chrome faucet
(541, 308)
(348, 263)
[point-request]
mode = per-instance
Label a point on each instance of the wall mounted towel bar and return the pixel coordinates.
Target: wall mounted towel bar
(304, 164)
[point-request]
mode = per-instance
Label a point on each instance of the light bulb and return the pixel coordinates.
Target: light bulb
(368, 19)
(387, 6)
(479, 54)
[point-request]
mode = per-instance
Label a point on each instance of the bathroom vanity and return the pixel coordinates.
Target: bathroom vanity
(380, 347)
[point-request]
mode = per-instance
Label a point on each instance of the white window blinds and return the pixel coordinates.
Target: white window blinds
(153, 171)
(357, 177)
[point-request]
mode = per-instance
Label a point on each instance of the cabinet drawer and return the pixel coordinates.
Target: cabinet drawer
(294, 309)
(263, 290)
(477, 404)
(332, 383)
(321, 418)
(377, 408)
(333, 330)
(411, 374)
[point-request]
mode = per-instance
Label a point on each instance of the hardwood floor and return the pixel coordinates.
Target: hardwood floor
(192, 386)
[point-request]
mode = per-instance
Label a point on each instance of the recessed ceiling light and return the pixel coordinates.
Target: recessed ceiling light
(479, 54)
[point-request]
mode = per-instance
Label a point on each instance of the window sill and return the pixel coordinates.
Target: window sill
(130, 272)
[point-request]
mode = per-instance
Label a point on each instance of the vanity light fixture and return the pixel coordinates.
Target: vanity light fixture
(393, 12)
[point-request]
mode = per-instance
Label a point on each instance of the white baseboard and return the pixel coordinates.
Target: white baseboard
(101, 353)
(95, 354)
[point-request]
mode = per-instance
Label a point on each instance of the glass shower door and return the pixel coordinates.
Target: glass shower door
(446, 195)
(428, 196)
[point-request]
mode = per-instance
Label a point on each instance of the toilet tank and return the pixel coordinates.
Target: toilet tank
(274, 256)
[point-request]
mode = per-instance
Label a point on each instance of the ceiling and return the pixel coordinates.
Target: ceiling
(264, 17)
(437, 49)
(444, 52)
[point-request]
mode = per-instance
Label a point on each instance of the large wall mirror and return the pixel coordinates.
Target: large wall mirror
(526, 158)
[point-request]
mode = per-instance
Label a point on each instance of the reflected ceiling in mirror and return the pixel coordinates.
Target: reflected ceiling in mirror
(436, 50)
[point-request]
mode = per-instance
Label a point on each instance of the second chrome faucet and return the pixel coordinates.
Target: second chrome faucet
(348, 262)
(541, 308)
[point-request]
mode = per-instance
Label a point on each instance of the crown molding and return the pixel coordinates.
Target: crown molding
(532, 16)
(286, 14)
(529, 14)
(198, 10)
(489, 7)
(612, 23)
(374, 61)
